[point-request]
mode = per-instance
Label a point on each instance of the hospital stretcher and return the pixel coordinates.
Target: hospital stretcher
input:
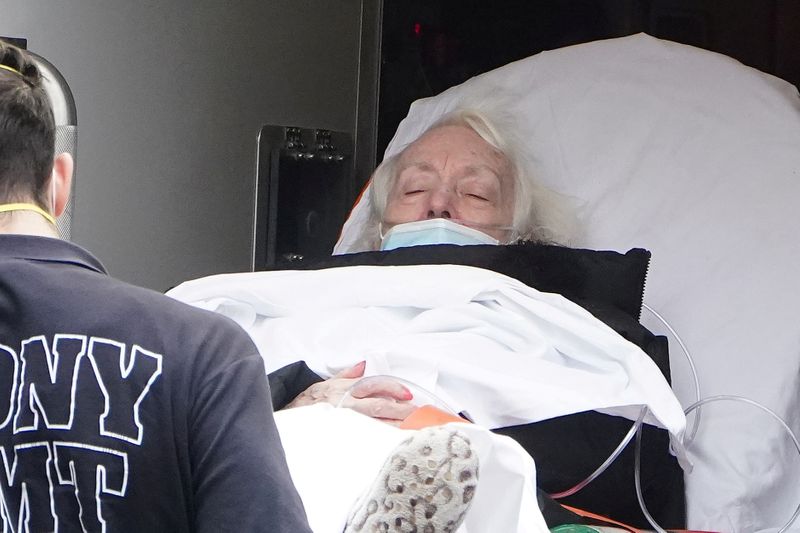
(691, 155)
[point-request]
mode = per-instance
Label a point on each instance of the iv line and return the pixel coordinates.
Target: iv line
(696, 405)
(685, 350)
(611, 458)
(636, 429)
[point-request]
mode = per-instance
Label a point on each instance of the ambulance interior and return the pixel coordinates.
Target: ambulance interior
(226, 140)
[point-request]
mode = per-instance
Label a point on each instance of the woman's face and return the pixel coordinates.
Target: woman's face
(451, 172)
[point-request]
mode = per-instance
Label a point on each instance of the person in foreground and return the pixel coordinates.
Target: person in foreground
(123, 410)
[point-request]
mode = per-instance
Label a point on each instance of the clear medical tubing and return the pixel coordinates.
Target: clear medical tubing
(696, 406)
(636, 431)
(688, 410)
(611, 458)
(688, 440)
(635, 427)
(637, 480)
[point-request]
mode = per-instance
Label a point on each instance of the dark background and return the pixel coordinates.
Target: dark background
(430, 45)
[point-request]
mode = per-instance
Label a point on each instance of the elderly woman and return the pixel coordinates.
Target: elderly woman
(469, 168)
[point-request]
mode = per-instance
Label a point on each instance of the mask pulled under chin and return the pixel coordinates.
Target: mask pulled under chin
(433, 231)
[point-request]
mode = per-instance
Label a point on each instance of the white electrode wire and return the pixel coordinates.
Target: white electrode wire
(611, 458)
(688, 440)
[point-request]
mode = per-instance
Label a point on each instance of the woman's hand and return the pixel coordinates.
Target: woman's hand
(382, 398)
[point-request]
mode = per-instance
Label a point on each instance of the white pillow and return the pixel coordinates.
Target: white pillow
(695, 157)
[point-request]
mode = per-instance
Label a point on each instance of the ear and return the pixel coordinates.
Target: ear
(63, 166)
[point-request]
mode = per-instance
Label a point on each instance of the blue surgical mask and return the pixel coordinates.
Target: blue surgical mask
(433, 231)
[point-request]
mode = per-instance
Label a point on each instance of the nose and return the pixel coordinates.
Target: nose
(441, 204)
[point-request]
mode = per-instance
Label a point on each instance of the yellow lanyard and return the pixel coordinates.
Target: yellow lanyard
(28, 207)
(15, 71)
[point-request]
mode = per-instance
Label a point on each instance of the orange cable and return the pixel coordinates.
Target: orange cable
(588, 514)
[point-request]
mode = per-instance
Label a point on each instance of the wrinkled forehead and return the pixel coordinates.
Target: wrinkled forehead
(454, 145)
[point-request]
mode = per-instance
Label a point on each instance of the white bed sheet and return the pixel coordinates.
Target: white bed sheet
(483, 342)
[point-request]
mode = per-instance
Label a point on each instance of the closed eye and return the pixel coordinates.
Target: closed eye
(477, 197)
(414, 191)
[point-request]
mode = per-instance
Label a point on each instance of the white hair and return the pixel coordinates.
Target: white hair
(540, 214)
